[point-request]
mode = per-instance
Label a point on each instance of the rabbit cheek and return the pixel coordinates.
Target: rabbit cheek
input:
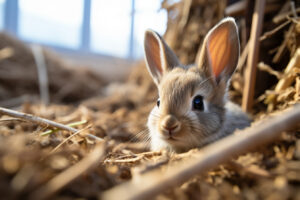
(155, 137)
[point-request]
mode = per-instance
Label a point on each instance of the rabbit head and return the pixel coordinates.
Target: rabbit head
(190, 108)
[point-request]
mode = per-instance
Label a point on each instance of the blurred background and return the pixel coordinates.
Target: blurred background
(87, 32)
(71, 50)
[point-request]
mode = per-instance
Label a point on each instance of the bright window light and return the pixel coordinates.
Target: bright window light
(54, 22)
(2, 4)
(110, 27)
(148, 15)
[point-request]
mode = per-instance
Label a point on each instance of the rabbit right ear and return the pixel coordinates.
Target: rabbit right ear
(159, 57)
(220, 52)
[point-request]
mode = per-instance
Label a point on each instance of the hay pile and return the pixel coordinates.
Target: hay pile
(36, 163)
(19, 76)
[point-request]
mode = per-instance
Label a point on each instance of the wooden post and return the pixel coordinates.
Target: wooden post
(250, 73)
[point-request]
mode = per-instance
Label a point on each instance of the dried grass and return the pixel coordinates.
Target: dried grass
(83, 168)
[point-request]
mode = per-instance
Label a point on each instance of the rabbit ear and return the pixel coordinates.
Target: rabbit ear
(159, 57)
(220, 50)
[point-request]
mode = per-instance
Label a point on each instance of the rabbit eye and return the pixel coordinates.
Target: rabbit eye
(198, 103)
(158, 102)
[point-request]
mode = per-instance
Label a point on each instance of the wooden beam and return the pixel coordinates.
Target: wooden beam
(250, 73)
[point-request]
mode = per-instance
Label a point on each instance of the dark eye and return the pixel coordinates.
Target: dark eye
(158, 102)
(198, 103)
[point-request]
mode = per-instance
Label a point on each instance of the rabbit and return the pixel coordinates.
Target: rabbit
(192, 109)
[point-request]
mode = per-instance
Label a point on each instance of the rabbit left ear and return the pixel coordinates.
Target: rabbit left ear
(159, 57)
(220, 50)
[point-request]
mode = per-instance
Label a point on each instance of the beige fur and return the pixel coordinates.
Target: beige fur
(175, 125)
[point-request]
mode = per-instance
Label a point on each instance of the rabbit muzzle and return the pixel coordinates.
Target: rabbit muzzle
(169, 126)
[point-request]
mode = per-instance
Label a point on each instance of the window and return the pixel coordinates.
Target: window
(110, 27)
(2, 4)
(147, 15)
(54, 22)
(114, 27)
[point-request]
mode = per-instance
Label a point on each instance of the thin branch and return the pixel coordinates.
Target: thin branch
(283, 16)
(68, 138)
(11, 120)
(275, 30)
(70, 174)
(283, 45)
(42, 121)
(264, 67)
(152, 183)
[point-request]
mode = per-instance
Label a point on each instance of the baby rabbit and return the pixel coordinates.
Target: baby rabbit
(192, 109)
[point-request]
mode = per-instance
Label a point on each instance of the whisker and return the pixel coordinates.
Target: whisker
(155, 115)
(140, 136)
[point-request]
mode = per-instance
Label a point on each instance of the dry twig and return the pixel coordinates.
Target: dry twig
(283, 45)
(264, 67)
(68, 138)
(286, 82)
(275, 30)
(284, 16)
(42, 121)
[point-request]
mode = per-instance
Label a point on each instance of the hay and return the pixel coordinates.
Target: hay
(64, 165)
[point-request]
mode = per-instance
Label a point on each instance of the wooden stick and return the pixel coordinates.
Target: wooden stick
(70, 174)
(42, 121)
(250, 74)
(160, 180)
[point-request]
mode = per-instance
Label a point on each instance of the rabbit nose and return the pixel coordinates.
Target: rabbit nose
(170, 123)
(171, 128)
